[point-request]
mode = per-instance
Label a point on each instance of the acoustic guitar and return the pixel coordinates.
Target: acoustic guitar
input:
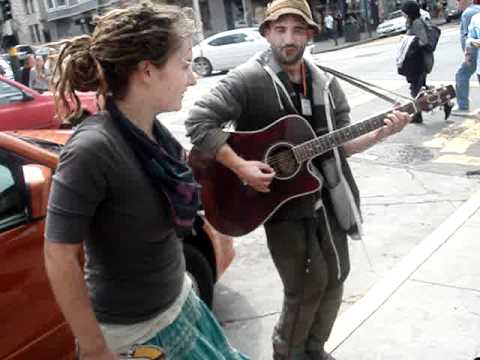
(288, 145)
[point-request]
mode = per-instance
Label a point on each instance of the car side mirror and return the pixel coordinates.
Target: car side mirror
(37, 180)
(26, 97)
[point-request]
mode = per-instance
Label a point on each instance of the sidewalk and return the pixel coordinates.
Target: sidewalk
(428, 306)
(365, 37)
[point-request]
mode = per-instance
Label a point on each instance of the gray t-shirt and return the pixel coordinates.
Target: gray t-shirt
(101, 196)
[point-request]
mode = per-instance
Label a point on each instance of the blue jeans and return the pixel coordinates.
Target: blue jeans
(462, 82)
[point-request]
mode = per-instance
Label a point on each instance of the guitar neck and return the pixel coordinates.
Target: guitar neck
(324, 143)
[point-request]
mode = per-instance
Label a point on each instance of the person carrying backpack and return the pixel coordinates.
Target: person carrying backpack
(420, 55)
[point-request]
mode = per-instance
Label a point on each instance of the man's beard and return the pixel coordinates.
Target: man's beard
(288, 60)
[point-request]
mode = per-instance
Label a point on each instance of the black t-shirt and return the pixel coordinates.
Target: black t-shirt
(101, 196)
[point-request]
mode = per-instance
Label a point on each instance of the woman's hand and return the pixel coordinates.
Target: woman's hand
(101, 354)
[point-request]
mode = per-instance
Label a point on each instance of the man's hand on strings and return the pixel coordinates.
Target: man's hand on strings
(393, 123)
(256, 174)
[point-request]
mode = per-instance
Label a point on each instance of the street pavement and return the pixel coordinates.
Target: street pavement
(427, 307)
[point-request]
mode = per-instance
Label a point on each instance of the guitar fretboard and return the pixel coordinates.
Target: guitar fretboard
(322, 144)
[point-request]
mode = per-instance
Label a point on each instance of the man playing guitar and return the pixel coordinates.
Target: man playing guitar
(307, 235)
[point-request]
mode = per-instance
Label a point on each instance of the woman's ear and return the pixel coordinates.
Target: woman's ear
(144, 69)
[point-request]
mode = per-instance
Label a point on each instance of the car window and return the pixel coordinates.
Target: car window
(228, 39)
(9, 93)
(11, 201)
(27, 49)
(394, 15)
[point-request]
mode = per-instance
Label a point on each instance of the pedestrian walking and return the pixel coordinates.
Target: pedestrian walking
(469, 63)
(28, 65)
(306, 236)
(421, 59)
(329, 22)
(124, 193)
(39, 75)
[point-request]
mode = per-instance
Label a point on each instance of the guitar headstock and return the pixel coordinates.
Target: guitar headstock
(433, 97)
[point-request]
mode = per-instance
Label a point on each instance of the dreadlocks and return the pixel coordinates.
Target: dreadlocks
(104, 61)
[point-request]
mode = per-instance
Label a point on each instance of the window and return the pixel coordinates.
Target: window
(32, 6)
(26, 6)
(50, 4)
(227, 40)
(12, 206)
(34, 33)
(9, 93)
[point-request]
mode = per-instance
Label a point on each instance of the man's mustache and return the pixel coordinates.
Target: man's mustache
(286, 47)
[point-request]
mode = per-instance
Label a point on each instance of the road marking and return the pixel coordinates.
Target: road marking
(458, 159)
(453, 145)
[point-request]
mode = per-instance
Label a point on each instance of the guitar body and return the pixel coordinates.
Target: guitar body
(236, 209)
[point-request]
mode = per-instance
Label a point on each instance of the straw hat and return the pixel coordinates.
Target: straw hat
(277, 8)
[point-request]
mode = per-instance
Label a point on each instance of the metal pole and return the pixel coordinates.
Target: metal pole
(367, 22)
(198, 19)
(247, 12)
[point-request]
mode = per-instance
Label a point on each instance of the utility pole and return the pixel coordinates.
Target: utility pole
(367, 18)
(198, 19)
(247, 12)
(9, 40)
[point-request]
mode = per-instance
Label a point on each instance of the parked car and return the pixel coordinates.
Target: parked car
(32, 326)
(6, 69)
(25, 108)
(225, 50)
(452, 12)
(395, 23)
(23, 50)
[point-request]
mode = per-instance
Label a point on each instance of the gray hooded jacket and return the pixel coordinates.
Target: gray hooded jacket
(253, 96)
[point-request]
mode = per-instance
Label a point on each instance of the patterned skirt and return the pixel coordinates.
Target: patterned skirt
(195, 335)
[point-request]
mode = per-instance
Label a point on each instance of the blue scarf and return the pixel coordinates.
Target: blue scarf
(166, 166)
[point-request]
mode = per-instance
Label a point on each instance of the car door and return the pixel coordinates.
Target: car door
(32, 326)
(20, 111)
(226, 52)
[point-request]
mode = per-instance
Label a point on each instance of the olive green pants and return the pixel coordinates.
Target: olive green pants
(310, 267)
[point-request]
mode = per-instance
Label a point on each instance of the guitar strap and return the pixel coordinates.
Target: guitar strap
(364, 85)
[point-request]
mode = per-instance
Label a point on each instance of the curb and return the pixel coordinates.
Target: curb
(345, 46)
(380, 293)
(361, 42)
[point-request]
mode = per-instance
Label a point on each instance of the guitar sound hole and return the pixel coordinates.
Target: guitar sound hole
(282, 159)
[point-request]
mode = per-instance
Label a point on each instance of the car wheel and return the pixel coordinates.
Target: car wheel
(200, 272)
(202, 67)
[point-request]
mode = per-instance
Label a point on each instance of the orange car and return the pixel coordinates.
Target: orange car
(31, 325)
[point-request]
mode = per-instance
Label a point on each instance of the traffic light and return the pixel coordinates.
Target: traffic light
(6, 8)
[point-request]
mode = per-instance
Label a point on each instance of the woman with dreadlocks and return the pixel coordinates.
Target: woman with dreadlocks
(122, 191)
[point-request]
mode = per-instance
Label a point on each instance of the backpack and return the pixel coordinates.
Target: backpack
(433, 35)
(407, 59)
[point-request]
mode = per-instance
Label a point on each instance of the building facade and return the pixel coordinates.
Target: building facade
(28, 22)
(40, 21)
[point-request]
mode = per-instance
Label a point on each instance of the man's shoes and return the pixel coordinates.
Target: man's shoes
(327, 356)
(417, 118)
(320, 355)
(460, 111)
